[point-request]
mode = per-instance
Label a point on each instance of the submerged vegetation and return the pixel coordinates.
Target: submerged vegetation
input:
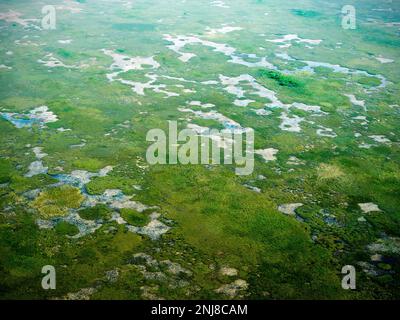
(281, 79)
(305, 13)
(56, 201)
(77, 193)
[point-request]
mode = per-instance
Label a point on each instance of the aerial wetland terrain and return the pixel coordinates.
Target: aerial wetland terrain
(76, 190)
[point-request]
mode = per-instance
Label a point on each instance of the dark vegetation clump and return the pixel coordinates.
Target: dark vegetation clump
(280, 78)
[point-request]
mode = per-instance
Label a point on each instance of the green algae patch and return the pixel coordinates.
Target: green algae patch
(5, 169)
(328, 171)
(57, 201)
(305, 13)
(100, 184)
(133, 26)
(91, 165)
